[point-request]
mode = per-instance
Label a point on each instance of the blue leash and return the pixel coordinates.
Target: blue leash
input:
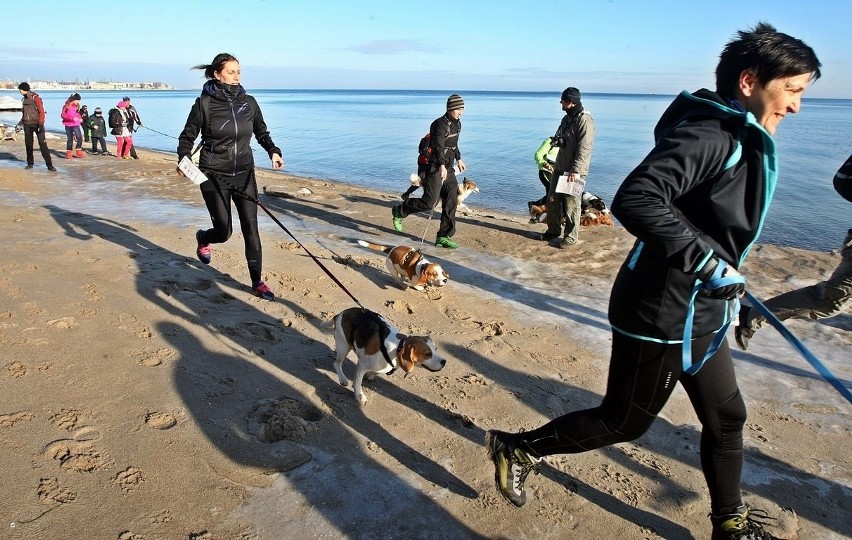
(799, 346)
(715, 281)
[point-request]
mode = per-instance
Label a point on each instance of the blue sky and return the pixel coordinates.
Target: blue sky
(599, 46)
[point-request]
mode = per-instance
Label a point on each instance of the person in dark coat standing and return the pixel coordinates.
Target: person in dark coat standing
(98, 128)
(32, 120)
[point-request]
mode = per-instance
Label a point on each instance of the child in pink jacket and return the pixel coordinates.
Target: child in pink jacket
(72, 119)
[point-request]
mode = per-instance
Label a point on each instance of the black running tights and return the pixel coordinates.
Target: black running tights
(218, 201)
(642, 376)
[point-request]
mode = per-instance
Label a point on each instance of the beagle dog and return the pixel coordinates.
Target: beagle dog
(409, 267)
(593, 211)
(379, 348)
(466, 187)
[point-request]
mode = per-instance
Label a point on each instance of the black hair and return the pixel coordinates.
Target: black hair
(766, 52)
(218, 64)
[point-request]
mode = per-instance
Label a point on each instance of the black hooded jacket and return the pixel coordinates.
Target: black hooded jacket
(702, 191)
(233, 117)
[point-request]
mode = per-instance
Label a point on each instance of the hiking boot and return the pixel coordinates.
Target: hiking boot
(80, 153)
(744, 524)
(396, 212)
(203, 252)
(547, 237)
(446, 242)
(51, 168)
(511, 466)
(260, 290)
(29, 166)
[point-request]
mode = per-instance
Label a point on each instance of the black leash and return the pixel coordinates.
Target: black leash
(155, 131)
(319, 263)
(255, 200)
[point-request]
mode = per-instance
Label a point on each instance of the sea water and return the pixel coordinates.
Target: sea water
(369, 138)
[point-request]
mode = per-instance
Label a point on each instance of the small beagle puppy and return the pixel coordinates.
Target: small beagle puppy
(379, 347)
(409, 267)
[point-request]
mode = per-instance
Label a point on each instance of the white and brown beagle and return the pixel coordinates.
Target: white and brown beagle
(408, 266)
(466, 187)
(380, 348)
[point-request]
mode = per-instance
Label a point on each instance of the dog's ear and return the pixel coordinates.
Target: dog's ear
(407, 355)
(423, 278)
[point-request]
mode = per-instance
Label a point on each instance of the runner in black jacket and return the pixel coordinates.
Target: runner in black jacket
(696, 204)
(232, 117)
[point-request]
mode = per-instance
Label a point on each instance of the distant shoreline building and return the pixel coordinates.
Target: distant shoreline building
(88, 85)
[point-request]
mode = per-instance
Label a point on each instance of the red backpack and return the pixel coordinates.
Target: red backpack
(425, 150)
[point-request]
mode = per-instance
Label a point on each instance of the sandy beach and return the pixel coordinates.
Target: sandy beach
(144, 395)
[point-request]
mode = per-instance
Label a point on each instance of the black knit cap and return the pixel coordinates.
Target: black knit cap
(74, 97)
(455, 102)
(24, 86)
(571, 94)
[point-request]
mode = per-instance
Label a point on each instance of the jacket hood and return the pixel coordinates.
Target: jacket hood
(701, 104)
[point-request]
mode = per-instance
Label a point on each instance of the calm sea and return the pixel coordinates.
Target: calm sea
(369, 138)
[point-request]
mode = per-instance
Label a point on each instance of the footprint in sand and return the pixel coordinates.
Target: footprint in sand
(16, 369)
(79, 454)
(50, 492)
(11, 420)
(128, 479)
(148, 358)
(66, 419)
(63, 323)
(92, 291)
(160, 420)
(273, 420)
(401, 307)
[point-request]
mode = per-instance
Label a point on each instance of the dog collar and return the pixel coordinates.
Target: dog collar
(387, 356)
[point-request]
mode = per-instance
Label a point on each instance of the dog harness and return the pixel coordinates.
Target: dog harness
(384, 332)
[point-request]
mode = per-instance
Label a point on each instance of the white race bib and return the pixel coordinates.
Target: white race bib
(575, 189)
(188, 168)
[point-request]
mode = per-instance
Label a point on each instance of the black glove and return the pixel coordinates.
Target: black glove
(715, 269)
(40, 128)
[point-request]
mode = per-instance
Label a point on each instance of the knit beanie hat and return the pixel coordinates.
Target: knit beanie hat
(121, 104)
(24, 86)
(97, 110)
(74, 97)
(455, 102)
(571, 94)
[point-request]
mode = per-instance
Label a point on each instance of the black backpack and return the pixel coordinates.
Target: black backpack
(114, 118)
(424, 149)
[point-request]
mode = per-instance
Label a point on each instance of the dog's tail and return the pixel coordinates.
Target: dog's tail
(374, 247)
(414, 179)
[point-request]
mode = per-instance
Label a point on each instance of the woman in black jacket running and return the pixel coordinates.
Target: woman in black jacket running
(226, 117)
